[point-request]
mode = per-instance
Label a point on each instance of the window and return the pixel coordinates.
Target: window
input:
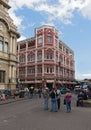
(1, 43)
(61, 72)
(49, 70)
(55, 41)
(39, 56)
(40, 39)
(2, 76)
(6, 47)
(22, 59)
(49, 38)
(31, 58)
(39, 70)
(22, 71)
(49, 56)
(23, 46)
(60, 46)
(56, 58)
(31, 71)
(64, 49)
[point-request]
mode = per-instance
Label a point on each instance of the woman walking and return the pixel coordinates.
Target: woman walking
(68, 101)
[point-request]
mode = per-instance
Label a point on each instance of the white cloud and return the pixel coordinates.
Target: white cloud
(21, 38)
(83, 76)
(62, 10)
(86, 9)
(17, 20)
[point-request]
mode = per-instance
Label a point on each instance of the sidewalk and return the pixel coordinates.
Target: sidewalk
(10, 100)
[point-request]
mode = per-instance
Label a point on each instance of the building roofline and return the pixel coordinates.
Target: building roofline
(66, 46)
(26, 40)
(46, 26)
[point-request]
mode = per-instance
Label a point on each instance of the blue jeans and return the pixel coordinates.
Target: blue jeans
(46, 103)
(54, 106)
(68, 106)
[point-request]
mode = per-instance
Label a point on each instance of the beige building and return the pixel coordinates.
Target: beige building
(8, 45)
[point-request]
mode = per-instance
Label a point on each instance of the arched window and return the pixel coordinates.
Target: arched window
(22, 59)
(31, 57)
(49, 55)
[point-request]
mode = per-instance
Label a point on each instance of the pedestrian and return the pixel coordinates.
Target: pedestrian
(39, 92)
(3, 97)
(46, 98)
(58, 94)
(80, 98)
(0, 96)
(31, 90)
(26, 92)
(54, 106)
(85, 95)
(68, 97)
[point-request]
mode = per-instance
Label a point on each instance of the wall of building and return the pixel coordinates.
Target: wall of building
(8, 38)
(46, 53)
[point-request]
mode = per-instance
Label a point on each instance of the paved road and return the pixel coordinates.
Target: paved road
(29, 115)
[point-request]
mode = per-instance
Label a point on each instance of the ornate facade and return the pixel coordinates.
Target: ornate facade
(8, 45)
(44, 60)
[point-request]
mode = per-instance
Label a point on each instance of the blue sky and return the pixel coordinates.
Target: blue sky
(72, 18)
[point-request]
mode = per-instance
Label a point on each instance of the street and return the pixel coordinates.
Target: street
(29, 115)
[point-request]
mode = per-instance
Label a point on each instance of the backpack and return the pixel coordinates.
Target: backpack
(52, 95)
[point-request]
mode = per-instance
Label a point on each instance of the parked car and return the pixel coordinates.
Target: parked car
(64, 90)
(85, 88)
(77, 88)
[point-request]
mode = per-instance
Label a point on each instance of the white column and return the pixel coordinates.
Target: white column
(26, 59)
(55, 62)
(13, 73)
(9, 71)
(43, 54)
(36, 53)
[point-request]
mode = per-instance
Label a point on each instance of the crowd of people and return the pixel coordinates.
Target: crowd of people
(55, 97)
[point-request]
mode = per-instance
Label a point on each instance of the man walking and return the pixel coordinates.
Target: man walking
(54, 106)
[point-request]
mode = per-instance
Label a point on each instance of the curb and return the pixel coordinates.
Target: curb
(87, 103)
